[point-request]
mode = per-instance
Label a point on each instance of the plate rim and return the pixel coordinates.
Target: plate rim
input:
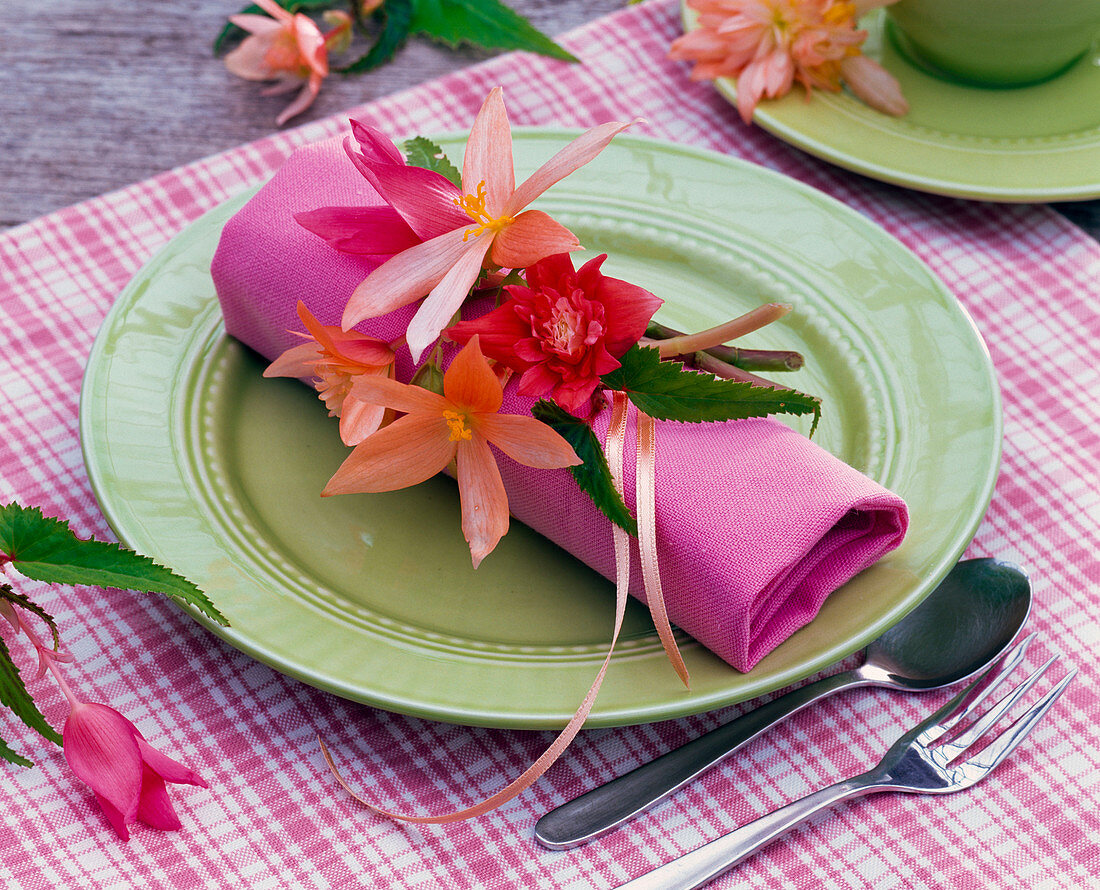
(636, 714)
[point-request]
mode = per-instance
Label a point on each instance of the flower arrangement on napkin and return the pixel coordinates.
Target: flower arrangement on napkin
(104, 749)
(767, 46)
(572, 337)
(442, 319)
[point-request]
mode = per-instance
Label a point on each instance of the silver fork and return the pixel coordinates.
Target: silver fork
(926, 760)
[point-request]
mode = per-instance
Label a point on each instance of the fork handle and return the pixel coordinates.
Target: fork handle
(609, 805)
(704, 864)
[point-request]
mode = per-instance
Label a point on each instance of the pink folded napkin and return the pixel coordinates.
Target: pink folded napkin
(756, 525)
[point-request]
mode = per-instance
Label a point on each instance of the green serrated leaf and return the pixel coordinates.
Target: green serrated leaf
(25, 602)
(396, 17)
(592, 475)
(12, 757)
(485, 23)
(421, 152)
(14, 695)
(232, 32)
(669, 391)
(45, 549)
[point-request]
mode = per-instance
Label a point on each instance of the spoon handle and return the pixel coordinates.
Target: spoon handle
(613, 803)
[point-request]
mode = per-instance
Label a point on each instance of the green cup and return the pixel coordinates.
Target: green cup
(1000, 43)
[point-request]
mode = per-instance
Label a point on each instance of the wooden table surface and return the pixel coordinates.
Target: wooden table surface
(98, 94)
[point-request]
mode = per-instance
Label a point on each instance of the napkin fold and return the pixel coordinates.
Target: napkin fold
(756, 525)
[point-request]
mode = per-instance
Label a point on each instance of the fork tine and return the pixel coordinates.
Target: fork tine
(970, 698)
(1005, 743)
(979, 727)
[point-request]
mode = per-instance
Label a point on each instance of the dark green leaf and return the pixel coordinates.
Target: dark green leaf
(25, 602)
(669, 391)
(47, 550)
(396, 16)
(485, 23)
(11, 757)
(593, 475)
(231, 32)
(14, 695)
(421, 152)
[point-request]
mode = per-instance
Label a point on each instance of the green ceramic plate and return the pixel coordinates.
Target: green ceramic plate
(1036, 143)
(201, 463)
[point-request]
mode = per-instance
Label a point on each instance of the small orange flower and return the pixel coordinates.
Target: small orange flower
(456, 426)
(767, 45)
(336, 359)
(289, 49)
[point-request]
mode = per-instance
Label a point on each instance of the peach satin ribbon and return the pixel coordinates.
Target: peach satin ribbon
(645, 492)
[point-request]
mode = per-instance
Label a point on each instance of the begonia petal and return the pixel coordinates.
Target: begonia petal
(368, 231)
(488, 155)
(399, 396)
(165, 767)
(359, 419)
(406, 277)
(424, 199)
(297, 361)
(440, 306)
(483, 498)
(469, 381)
(532, 236)
(575, 155)
(528, 441)
(100, 747)
(410, 450)
(248, 60)
(154, 806)
(114, 816)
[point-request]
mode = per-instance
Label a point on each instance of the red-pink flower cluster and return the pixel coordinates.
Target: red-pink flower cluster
(564, 329)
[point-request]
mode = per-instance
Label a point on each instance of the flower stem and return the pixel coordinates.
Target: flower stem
(704, 361)
(746, 359)
(738, 357)
(45, 656)
(685, 344)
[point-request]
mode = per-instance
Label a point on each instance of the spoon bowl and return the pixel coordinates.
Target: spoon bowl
(962, 626)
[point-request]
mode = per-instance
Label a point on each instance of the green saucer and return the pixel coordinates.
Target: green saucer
(1027, 144)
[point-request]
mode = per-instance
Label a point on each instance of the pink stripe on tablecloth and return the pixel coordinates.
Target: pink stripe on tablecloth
(272, 816)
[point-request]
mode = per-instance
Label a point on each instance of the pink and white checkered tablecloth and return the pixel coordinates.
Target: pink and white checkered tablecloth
(273, 817)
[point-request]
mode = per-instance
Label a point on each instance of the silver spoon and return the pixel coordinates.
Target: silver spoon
(961, 627)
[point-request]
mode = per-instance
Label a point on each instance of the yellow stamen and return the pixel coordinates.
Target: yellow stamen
(839, 13)
(474, 205)
(457, 423)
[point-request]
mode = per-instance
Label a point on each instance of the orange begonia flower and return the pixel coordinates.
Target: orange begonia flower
(457, 425)
(767, 45)
(489, 226)
(288, 48)
(335, 360)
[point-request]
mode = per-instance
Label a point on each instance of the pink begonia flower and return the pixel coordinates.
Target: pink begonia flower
(335, 360)
(767, 45)
(484, 224)
(108, 753)
(564, 329)
(287, 48)
(128, 776)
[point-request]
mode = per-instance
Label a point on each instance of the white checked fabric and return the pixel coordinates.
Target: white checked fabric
(274, 818)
